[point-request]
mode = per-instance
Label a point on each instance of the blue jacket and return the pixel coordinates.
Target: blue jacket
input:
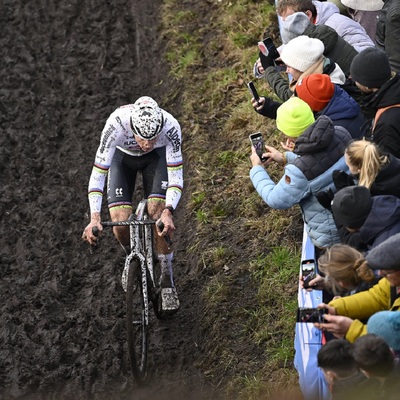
(344, 111)
(318, 152)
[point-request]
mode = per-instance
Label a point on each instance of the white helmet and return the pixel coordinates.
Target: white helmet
(146, 118)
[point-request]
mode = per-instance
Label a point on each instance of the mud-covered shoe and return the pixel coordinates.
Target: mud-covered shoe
(169, 300)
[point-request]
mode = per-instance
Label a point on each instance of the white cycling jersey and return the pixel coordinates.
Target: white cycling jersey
(117, 132)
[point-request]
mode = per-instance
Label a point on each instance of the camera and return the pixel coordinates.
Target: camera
(310, 314)
(308, 272)
(257, 141)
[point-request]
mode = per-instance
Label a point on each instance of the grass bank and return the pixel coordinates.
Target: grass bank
(249, 253)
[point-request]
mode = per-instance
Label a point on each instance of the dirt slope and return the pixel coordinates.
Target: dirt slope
(65, 66)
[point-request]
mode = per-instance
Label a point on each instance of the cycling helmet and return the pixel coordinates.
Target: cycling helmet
(146, 118)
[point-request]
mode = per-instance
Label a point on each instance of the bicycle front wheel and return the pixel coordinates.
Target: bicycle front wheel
(137, 321)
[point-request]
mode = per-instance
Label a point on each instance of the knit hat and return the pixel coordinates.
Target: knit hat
(363, 5)
(294, 25)
(386, 255)
(351, 206)
(302, 52)
(293, 117)
(386, 324)
(371, 68)
(316, 90)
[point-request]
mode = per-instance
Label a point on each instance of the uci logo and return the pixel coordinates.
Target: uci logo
(118, 192)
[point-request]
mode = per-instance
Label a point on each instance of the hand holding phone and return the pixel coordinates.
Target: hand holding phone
(311, 314)
(257, 141)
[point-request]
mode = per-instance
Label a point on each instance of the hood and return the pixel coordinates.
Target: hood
(316, 137)
(341, 106)
(324, 11)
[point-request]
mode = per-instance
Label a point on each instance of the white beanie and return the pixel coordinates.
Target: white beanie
(363, 5)
(302, 52)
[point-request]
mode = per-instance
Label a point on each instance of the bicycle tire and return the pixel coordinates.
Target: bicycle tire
(137, 322)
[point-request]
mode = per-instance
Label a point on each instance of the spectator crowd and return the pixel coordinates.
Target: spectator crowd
(339, 114)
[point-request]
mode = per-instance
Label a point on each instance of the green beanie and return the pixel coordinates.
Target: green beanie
(293, 117)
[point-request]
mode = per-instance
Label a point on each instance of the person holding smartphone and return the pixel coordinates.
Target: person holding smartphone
(315, 149)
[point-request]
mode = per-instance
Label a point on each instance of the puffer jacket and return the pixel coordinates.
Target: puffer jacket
(318, 152)
(362, 305)
(388, 32)
(351, 31)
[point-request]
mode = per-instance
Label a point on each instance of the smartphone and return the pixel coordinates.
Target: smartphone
(308, 271)
(267, 47)
(310, 314)
(253, 91)
(257, 141)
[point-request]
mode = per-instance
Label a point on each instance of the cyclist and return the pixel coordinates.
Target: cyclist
(140, 137)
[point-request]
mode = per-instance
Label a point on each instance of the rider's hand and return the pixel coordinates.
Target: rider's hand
(88, 232)
(167, 219)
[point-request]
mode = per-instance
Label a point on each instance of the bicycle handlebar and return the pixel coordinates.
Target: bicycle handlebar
(167, 238)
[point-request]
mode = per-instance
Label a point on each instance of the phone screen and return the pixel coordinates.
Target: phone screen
(310, 314)
(267, 47)
(258, 142)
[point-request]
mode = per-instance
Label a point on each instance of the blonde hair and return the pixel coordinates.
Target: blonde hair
(343, 263)
(368, 158)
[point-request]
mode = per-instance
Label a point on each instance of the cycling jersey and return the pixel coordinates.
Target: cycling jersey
(117, 133)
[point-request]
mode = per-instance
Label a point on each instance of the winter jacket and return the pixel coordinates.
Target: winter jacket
(318, 151)
(388, 179)
(351, 31)
(284, 89)
(362, 305)
(387, 130)
(342, 109)
(382, 222)
(388, 32)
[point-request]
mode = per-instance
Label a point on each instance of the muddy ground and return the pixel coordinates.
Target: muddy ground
(65, 66)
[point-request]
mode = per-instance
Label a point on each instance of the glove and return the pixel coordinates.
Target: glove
(341, 179)
(325, 199)
(266, 61)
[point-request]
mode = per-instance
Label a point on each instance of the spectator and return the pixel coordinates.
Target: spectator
(366, 13)
(371, 72)
(344, 271)
(376, 360)
(335, 47)
(328, 14)
(386, 324)
(388, 32)
(318, 150)
(345, 380)
(363, 221)
(375, 170)
(344, 314)
(303, 56)
(324, 98)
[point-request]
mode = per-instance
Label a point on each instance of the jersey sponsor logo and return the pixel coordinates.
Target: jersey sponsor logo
(118, 192)
(173, 136)
(106, 137)
(164, 185)
(119, 120)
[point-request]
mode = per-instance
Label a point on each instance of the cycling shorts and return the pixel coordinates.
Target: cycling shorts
(123, 172)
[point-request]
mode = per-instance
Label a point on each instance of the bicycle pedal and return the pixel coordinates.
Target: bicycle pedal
(169, 300)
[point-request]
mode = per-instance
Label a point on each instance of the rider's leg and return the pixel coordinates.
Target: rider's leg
(164, 254)
(121, 232)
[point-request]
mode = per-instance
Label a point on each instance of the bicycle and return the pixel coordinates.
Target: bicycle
(141, 282)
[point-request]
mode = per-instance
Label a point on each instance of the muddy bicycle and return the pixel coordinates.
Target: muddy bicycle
(141, 282)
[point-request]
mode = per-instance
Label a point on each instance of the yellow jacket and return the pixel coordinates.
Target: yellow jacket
(363, 304)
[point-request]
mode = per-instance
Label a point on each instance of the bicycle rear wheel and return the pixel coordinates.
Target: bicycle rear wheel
(137, 321)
